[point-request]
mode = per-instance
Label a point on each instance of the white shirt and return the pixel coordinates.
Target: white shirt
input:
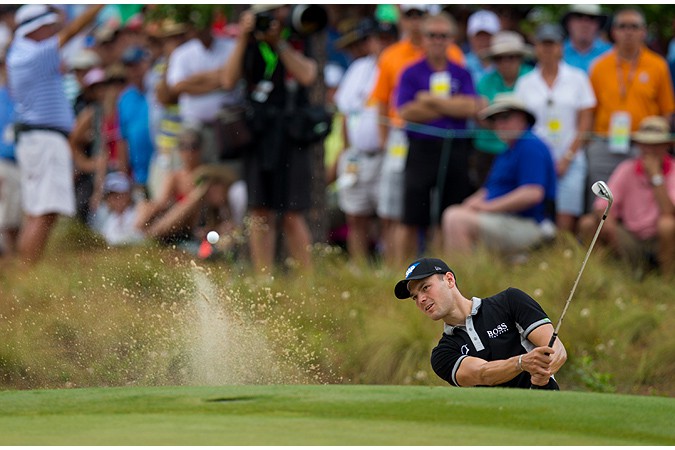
(351, 98)
(556, 109)
(191, 58)
(121, 230)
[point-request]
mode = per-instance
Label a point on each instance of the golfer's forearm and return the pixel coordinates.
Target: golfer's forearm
(478, 372)
(560, 356)
(498, 372)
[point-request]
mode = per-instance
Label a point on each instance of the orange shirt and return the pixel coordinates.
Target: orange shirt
(643, 89)
(393, 60)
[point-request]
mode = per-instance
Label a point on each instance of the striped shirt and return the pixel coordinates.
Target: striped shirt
(36, 84)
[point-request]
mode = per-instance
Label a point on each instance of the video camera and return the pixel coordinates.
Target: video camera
(302, 19)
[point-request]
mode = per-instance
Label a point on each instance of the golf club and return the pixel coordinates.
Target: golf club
(600, 189)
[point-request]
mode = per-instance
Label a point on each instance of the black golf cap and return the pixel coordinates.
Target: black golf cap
(418, 270)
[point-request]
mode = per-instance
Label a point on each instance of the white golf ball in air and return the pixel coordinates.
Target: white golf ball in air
(212, 237)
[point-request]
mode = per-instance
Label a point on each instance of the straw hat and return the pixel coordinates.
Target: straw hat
(355, 32)
(261, 7)
(508, 43)
(503, 103)
(586, 9)
(653, 130)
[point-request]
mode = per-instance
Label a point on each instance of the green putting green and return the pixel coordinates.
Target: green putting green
(331, 415)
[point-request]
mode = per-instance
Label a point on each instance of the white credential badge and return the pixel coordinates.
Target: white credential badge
(619, 132)
(439, 84)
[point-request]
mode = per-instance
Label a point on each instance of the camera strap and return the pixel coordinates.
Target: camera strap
(270, 57)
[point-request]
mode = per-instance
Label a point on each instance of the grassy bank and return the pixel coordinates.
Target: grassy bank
(331, 415)
(90, 316)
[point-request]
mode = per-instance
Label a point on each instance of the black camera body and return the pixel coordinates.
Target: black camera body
(263, 20)
(302, 19)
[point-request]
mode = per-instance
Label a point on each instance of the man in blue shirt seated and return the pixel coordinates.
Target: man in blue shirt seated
(512, 212)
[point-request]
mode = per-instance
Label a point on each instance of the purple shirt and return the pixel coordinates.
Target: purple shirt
(417, 78)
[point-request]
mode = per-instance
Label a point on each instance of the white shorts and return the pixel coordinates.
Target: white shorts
(508, 234)
(10, 195)
(571, 187)
(46, 164)
(390, 201)
(360, 197)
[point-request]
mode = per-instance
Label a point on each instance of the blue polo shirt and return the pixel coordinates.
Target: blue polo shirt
(416, 78)
(528, 161)
(583, 60)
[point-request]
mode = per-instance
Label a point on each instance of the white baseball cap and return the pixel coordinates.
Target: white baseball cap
(483, 20)
(29, 18)
(116, 182)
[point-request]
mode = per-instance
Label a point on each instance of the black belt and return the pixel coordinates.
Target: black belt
(24, 127)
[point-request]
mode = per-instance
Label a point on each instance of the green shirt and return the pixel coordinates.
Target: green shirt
(489, 86)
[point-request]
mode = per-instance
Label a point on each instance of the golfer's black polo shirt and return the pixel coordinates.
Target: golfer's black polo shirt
(497, 328)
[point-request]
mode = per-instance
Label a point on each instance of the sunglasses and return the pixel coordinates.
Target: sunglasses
(414, 14)
(499, 58)
(628, 26)
(432, 35)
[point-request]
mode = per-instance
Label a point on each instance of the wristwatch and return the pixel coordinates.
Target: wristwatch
(657, 180)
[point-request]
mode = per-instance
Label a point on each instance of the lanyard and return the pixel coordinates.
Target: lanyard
(626, 83)
(270, 57)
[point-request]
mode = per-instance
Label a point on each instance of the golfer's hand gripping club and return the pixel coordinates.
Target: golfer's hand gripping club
(601, 190)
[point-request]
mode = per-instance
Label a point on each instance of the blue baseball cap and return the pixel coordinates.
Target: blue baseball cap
(418, 270)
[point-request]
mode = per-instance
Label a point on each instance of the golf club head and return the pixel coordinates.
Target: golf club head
(600, 189)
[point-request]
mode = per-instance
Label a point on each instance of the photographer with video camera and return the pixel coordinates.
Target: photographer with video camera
(270, 57)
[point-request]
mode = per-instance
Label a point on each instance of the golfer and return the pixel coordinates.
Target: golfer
(495, 341)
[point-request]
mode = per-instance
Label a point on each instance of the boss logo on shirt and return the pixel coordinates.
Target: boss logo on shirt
(501, 329)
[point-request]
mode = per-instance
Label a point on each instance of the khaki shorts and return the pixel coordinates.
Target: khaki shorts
(635, 251)
(46, 165)
(10, 195)
(508, 233)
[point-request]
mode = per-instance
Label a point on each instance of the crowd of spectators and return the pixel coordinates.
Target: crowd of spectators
(449, 132)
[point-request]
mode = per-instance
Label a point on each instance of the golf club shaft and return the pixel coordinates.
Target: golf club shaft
(569, 299)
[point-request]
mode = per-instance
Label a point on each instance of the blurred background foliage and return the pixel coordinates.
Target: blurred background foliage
(660, 17)
(93, 316)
